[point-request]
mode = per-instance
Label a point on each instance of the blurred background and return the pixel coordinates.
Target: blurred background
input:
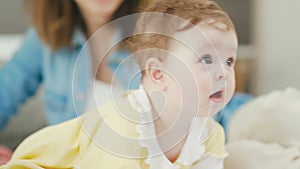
(13, 23)
(269, 52)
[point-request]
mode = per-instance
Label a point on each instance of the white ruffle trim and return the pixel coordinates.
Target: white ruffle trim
(192, 150)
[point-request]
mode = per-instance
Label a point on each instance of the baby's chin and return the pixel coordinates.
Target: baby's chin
(215, 109)
(205, 115)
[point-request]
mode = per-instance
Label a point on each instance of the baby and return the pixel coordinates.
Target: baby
(186, 51)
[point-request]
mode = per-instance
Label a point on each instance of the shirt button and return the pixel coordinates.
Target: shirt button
(79, 96)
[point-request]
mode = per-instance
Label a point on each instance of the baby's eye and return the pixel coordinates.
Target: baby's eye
(230, 62)
(206, 59)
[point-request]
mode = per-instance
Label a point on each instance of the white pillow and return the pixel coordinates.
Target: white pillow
(251, 154)
(274, 117)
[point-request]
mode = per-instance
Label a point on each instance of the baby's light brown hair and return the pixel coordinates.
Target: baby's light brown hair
(153, 31)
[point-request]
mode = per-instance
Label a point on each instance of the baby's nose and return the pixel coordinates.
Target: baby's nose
(220, 72)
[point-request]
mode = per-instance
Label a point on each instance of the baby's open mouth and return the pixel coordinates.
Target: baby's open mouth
(217, 96)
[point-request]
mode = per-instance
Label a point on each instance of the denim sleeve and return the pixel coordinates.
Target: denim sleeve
(21, 76)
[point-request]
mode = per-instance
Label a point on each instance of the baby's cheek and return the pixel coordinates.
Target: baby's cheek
(205, 82)
(232, 81)
(230, 87)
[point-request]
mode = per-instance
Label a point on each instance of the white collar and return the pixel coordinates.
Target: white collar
(192, 150)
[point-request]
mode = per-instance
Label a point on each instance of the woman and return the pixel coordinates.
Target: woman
(49, 52)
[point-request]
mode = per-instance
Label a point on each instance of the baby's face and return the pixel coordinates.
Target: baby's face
(200, 70)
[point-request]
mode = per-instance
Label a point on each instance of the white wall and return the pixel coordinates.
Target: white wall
(12, 16)
(276, 38)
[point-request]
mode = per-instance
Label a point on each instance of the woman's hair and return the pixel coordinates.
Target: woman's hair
(56, 20)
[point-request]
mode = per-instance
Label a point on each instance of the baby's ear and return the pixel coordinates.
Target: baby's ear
(153, 68)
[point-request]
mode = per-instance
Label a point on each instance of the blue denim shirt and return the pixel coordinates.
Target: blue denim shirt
(35, 64)
(65, 87)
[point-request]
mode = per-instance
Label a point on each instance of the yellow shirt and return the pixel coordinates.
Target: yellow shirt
(107, 140)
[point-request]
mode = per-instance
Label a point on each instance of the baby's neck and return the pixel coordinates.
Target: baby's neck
(173, 154)
(171, 127)
(171, 138)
